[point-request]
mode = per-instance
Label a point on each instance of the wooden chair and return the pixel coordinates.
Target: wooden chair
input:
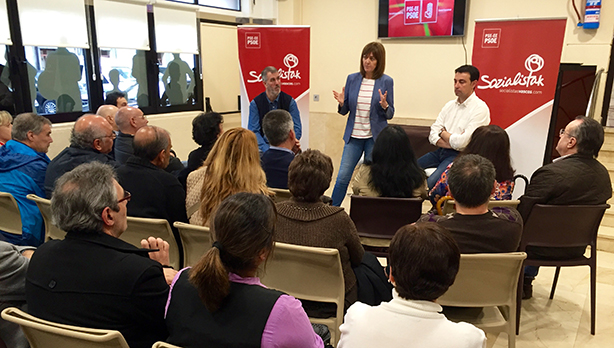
(46, 334)
(280, 194)
(309, 273)
(488, 281)
(44, 205)
(161, 344)
(9, 211)
(196, 240)
(377, 219)
(143, 228)
(563, 226)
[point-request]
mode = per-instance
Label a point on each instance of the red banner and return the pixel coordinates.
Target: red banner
(287, 49)
(519, 63)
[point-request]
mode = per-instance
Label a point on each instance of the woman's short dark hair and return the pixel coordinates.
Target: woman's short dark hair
(492, 143)
(394, 169)
(379, 52)
(424, 261)
(309, 175)
(243, 227)
(206, 128)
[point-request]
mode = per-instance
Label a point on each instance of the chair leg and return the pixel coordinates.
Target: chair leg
(556, 279)
(593, 295)
(511, 337)
(519, 300)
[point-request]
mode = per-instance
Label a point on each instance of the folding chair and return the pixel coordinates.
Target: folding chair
(44, 205)
(377, 219)
(489, 281)
(46, 334)
(143, 228)
(196, 240)
(161, 344)
(309, 273)
(10, 220)
(562, 226)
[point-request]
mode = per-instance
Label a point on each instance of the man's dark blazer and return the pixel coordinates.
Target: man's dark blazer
(275, 164)
(98, 281)
(573, 180)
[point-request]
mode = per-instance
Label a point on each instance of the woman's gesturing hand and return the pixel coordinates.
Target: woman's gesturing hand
(383, 102)
(340, 97)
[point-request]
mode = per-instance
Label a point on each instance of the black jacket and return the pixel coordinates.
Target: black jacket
(275, 164)
(122, 149)
(98, 281)
(68, 160)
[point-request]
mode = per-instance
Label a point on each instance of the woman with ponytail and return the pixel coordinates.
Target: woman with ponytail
(220, 302)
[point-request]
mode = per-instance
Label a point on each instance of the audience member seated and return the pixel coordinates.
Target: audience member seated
(492, 143)
(6, 126)
(305, 220)
(109, 112)
(92, 278)
(424, 261)
(23, 162)
(91, 139)
(233, 166)
(129, 120)
(574, 178)
(475, 228)
(393, 170)
(117, 99)
(13, 267)
(220, 302)
(279, 130)
(157, 194)
(206, 128)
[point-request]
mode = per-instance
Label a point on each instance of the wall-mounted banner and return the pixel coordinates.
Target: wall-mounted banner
(287, 49)
(519, 64)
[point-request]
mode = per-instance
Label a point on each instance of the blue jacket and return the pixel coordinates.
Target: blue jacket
(22, 171)
(379, 117)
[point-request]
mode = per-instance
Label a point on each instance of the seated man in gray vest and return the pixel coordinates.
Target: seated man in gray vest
(475, 228)
(272, 98)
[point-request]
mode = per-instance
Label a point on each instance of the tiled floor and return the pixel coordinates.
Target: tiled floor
(564, 322)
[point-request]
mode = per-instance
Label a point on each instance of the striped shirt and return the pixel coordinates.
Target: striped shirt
(362, 122)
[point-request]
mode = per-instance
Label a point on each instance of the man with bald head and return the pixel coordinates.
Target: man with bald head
(129, 120)
(155, 192)
(91, 139)
(109, 112)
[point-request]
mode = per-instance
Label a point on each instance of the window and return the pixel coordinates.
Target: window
(225, 4)
(58, 75)
(63, 71)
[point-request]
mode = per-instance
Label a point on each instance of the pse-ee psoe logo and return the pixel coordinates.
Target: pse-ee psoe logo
(252, 40)
(533, 64)
(291, 62)
(491, 38)
(420, 11)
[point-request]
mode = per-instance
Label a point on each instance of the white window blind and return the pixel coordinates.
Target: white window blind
(122, 24)
(54, 23)
(5, 33)
(226, 4)
(176, 30)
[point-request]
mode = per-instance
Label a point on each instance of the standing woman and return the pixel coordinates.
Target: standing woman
(369, 98)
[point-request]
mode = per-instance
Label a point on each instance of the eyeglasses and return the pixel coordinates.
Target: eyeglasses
(562, 131)
(127, 196)
(112, 136)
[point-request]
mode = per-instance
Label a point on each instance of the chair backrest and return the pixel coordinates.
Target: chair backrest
(485, 280)
(280, 194)
(381, 217)
(143, 228)
(196, 240)
(308, 273)
(44, 205)
(449, 206)
(47, 334)
(10, 218)
(562, 225)
(161, 344)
